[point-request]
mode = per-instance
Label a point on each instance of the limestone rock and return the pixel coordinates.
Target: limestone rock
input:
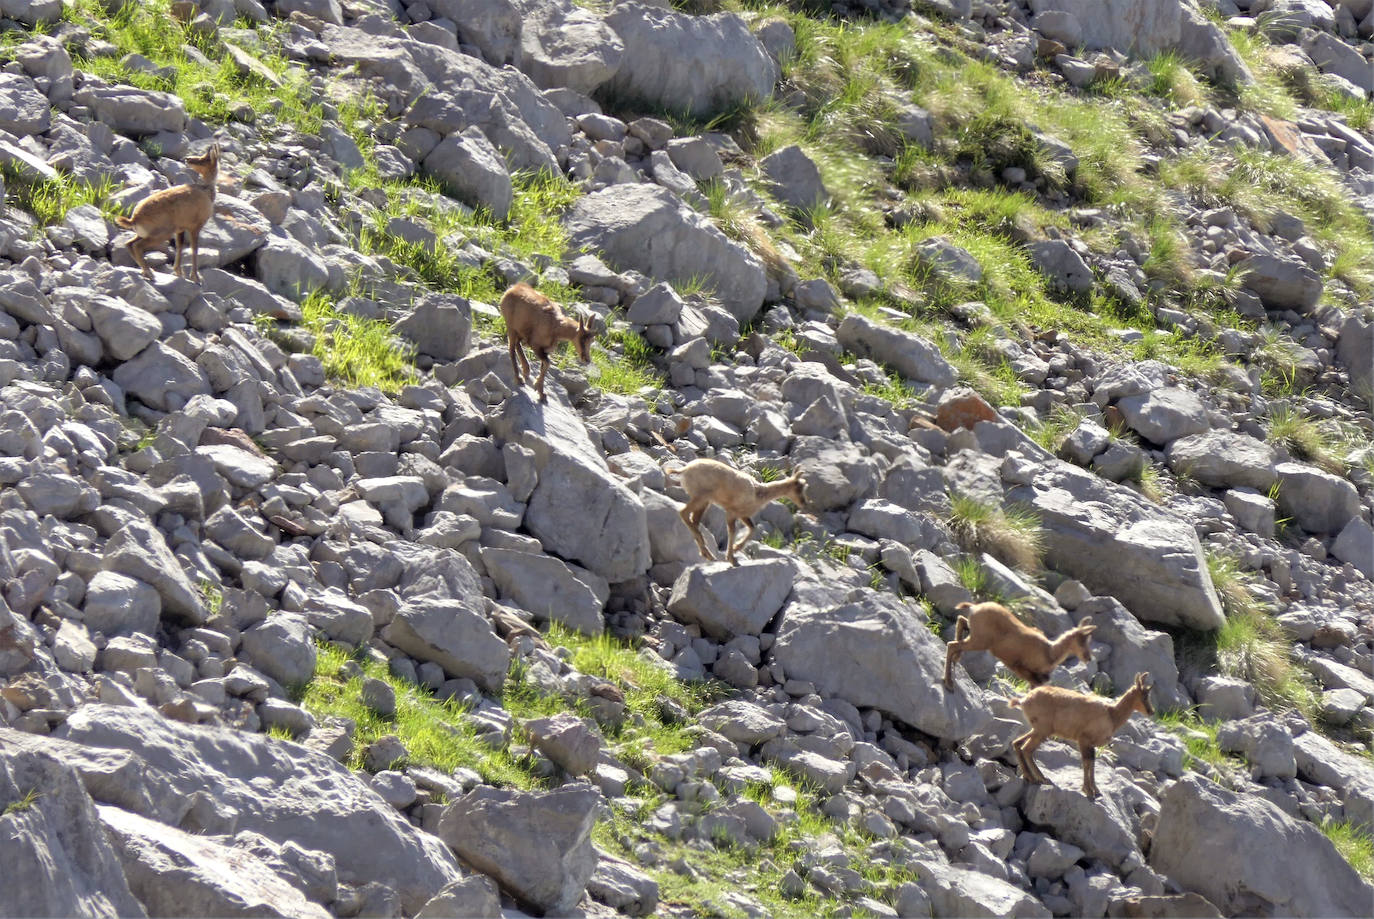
(1118, 544)
(698, 65)
(537, 845)
(730, 600)
(826, 635)
(1247, 856)
(647, 228)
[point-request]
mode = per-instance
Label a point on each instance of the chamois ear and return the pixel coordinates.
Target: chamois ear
(1144, 681)
(1086, 630)
(1085, 622)
(960, 606)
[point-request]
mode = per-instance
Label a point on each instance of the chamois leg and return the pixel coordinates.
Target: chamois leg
(955, 650)
(1025, 747)
(691, 515)
(195, 254)
(515, 348)
(176, 244)
(749, 532)
(543, 372)
(136, 247)
(1088, 754)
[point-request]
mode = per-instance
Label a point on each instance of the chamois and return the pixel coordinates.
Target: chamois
(1087, 720)
(172, 212)
(1024, 649)
(535, 320)
(708, 482)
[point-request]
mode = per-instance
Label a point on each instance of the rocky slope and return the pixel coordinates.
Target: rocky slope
(308, 609)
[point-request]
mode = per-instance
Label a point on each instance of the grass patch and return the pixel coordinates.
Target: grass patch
(1250, 646)
(217, 91)
(50, 200)
(1173, 79)
(355, 351)
(1199, 738)
(629, 370)
(1012, 536)
(22, 804)
(434, 732)
(1355, 845)
(1301, 436)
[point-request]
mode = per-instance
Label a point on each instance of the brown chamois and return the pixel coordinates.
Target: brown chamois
(708, 482)
(1084, 719)
(172, 212)
(535, 320)
(1023, 648)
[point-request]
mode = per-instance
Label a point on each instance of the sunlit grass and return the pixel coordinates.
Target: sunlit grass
(1011, 535)
(1355, 845)
(356, 351)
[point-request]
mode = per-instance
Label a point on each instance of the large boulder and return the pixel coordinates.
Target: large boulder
(567, 46)
(1061, 264)
(1248, 857)
(537, 845)
(492, 25)
(728, 600)
(1281, 283)
(473, 170)
(132, 111)
(1119, 544)
(1223, 459)
(874, 651)
(1164, 415)
(551, 590)
(135, 759)
(1318, 501)
(54, 859)
(649, 229)
(697, 65)
(454, 635)
(910, 355)
(579, 510)
(161, 378)
(1145, 27)
(440, 325)
(794, 178)
(958, 891)
(139, 551)
(23, 109)
(1355, 349)
(174, 873)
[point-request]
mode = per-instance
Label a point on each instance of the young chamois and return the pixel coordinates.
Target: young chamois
(708, 482)
(535, 320)
(1087, 720)
(172, 212)
(1024, 649)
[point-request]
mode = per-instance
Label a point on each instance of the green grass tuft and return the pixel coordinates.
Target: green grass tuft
(356, 351)
(1012, 536)
(1355, 845)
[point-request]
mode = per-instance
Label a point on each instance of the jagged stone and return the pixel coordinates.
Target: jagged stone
(1247, 856)
(551, 590)
(316, 803)
(681, 243)
(728, 600)
(825, 636)
(537, 845)
(1118, 544)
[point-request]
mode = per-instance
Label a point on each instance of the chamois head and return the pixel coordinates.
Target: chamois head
(1078, 639)
(1143, 684)
(583, 340)
(206, 165)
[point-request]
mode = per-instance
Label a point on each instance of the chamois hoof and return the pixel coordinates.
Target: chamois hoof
(949, 685)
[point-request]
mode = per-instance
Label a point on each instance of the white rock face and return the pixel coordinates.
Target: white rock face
(315, 801)
(646, 227)
(176, 874)
(1118, 544)
(830, 640)
(1248, 857)
(702, 65)
(54, 855)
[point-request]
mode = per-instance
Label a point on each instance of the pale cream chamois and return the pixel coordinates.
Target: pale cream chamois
(172, 212)
(741, 496)
(535, 320)
(1084, 719)
(1023, 648)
